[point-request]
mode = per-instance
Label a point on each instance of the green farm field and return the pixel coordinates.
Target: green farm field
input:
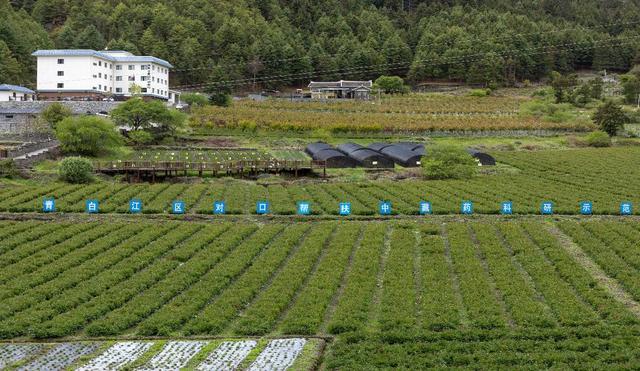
(531, 293)
(606, 177)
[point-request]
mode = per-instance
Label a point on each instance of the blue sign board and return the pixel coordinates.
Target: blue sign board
(626, 208)
(262, 207)
(92, 206)
(425, 208)
(507, 208)
(466, 207)
(345, 208)
(304, 208)
(219, 207)
(586, 208)
(384, 208)
(177, 207)
(49, 205)
(546, 208)
(135, 206)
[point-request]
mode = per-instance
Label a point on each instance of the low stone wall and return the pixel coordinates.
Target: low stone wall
(77, 107)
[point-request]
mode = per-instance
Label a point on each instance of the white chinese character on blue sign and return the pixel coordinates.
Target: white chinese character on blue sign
(507, 208)
(219, 207)
(384, 207)
(135, 206)
(466, 207)
(425, 208)
(262, 207)
(92, 206)
(304, 208)
(345, 208)
(177, 207)
(49, 205)
(626, 208)
(586, 208)
(546, 208)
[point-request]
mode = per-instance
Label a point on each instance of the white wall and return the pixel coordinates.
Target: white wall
(80, 74)
(8, 95)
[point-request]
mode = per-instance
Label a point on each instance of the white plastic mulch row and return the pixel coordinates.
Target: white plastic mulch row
(12, 353)
(61, 356)
(227, 356)
(117, 356)
(278, 355)
(174, 355)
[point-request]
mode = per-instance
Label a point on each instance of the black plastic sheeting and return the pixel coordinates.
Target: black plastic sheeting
(314, 148)
(334, 159)
(485, 159)
(402, 156)
(366, 157)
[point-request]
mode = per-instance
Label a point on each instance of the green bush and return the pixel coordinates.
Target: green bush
(194, 99)
(76, 170)
(598, 139)
(480, 92)
(448, 162)
(87, 135)
(140, 137)
(8, 168)
(55, 113)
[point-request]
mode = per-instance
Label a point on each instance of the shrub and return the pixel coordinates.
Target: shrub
(55, 113)
(598, 139)
(447, 162)
(140, 137)
(194, 99)
(76, 170)
(8, 168)
(87, 135)
(480, 92)
(610, 117)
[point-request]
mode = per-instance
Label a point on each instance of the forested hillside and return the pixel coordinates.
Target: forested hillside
(275, 43)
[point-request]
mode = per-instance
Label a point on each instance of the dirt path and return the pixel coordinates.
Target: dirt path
(611, 285)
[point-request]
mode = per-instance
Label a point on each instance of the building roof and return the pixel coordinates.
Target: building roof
(341, 84)
(16, 88)
(110, 55)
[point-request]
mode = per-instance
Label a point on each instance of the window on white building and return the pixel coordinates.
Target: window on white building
(100, 74)
(100, 63)
(105, 88)
(118, 90)
(60, 73)
(144, 78)
(131, 67)
(99, 87)
(132, 78)
(143, 90)
(118, 67)
(60, 85)
(60, 61)
(106, 77)
(144, 67)
(118, 78)
(153, 90)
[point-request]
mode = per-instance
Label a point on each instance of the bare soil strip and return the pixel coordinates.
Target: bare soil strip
(608, 283)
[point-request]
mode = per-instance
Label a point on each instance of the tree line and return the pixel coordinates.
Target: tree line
(276, 43)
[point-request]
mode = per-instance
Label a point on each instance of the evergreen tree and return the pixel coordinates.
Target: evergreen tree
(90, 38)
(610, 117)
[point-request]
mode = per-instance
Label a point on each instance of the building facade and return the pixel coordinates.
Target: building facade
(94, 75)
(340, 89)
(13, 93)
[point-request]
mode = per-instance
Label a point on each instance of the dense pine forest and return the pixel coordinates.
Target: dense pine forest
(277, 43)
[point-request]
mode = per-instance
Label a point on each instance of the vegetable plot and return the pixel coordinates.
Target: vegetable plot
(117, 356)
(227, 356)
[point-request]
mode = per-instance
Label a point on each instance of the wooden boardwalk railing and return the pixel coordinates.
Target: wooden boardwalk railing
(176, 168)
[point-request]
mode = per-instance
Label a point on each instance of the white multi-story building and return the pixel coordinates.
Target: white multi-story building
(90, 74)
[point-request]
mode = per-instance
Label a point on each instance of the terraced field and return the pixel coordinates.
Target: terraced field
(489, 293)
(606, 177)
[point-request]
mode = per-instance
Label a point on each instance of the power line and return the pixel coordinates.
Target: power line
(399, 65)
(504, 36)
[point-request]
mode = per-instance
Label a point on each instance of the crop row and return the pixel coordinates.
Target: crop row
(173, 278)
(606, 177)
